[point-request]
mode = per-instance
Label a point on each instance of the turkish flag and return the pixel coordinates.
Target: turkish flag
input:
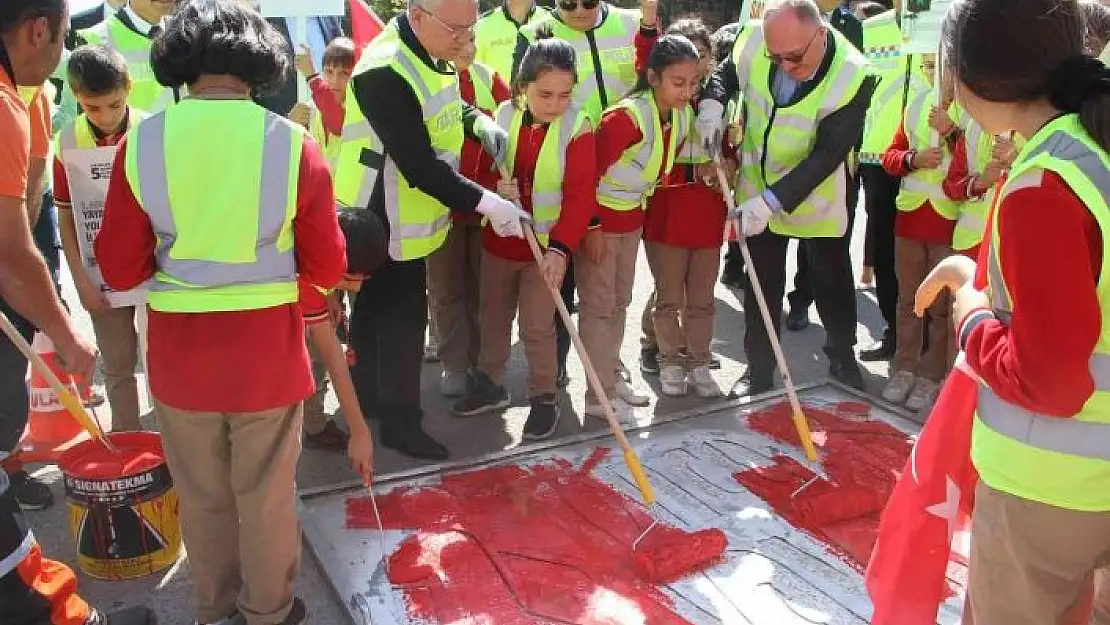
(365, 24)
(932, 501)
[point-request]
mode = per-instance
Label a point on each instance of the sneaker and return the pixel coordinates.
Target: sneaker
(453, 383)
(331, 438)
(431, 351)
(136, 615)
(797, 320)
(899, 387)
(483, 396)
(924, 395)
(649, 360)
(543, 418)
(672, 381)
(629, 395)
(714, 362)
(626, 415)
(30, 494)
(704, 384)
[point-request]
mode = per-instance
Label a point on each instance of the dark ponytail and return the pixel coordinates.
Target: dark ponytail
(1016, 51)
(668, 50)
(543, 55)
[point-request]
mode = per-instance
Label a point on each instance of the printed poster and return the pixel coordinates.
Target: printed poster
(88, 172)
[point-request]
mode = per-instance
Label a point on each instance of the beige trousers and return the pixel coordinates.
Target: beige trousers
(118, 342)
(604, 293)
(454, 274)
(684, 281)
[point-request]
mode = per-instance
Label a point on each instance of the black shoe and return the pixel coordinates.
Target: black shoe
(884, 350)
(733, 275)
(562, 379)
(542, 419)
(410, 439)
(649, 360)
(846, 371)
(30, 494)
(797, 319)
(135, 615)
(483, 396)
(714, 362)
(752, 384)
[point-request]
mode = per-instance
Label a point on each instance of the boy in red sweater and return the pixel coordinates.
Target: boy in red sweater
(329, 90)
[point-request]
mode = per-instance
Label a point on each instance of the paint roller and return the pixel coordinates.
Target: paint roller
(842, 504)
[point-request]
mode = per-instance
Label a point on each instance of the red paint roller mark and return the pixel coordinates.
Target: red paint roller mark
(531, 545)
(862, 457)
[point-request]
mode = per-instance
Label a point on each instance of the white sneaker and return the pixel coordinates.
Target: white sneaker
(899, 387)
(704, 384)
(626, 415)
(453, 383)
(924, 395)
(629, 395)
(672, 381)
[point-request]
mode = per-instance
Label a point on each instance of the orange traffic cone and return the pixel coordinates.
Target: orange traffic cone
(50, 427)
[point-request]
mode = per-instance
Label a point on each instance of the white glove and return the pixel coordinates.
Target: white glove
(494, 139)
(710, 124)
(503, 215)
(754, 215)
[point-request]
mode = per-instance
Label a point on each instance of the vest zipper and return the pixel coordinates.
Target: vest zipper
(598, 75)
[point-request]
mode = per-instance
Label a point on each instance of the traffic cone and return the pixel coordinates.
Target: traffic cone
(51, 429)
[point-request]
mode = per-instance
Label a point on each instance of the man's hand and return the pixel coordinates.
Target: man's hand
(301, 113)
(360, 451)
(92, 299)
(928, 159)
(553, 268)
(709, 126)
(503, 215)
(649, 13)
(940, 121)
(753, 215)
(593, 246)
(509, 190)
(303, 61)
(78, 356)
(952, 273)
(494, 139)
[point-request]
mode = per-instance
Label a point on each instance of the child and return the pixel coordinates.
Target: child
(551, 162)
(923, 237)
(978, 162)
(328, 92)
(683, 234)
(99, 78)
(637, 142)
(454, 270)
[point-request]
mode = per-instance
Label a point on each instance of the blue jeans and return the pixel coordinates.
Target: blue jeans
(47, 239)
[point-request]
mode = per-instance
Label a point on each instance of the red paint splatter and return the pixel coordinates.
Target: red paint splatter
(862, 457)
(529, 545)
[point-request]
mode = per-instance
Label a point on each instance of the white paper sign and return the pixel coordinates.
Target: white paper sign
(88, 172)
(921, 21)
(303, 8)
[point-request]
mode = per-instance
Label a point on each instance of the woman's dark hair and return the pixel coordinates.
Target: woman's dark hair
(1025, 50)
(220, 37)
(96, 71)
(1096, 25)
(544, 55)
(367, 244)
(668, 50)
(693, 29)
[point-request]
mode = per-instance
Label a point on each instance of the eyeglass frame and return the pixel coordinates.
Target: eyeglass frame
(457, 32)
(577, 4)
(795, 57)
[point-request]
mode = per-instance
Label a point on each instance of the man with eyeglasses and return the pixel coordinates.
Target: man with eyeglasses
(400, 156)
(806, 91)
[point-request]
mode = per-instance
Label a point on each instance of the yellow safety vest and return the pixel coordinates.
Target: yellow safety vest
(613, 43)
(551, 166)
(221, 247)
(882, 46)
(693, 151)
(146, 93)
(778, 138)
(330, 144)
(495, 36)
(630, 181)
(481, 76)
(972, 222)
(925, 185)
(1063, 462)
(78, 135)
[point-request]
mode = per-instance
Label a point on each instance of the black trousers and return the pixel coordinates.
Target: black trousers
(802, 295)
(388, 322)
(880, 192)
(833, 291)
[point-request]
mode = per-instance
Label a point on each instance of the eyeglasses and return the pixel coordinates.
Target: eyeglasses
(571, 5)
(457, 32)
(794, 57)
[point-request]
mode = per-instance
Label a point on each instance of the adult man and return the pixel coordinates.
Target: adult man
(495, 36)
(840, 16)
(807, 91)
(33, 589)
(402, 141)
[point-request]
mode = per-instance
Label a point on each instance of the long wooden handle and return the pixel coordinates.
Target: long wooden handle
(800, 423)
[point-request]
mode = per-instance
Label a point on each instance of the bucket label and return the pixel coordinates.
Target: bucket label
(118, 490)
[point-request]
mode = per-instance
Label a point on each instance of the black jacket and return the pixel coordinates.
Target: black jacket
(282, 100)
(82, 21)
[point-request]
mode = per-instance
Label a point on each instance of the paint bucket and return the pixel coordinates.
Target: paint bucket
(123, 510)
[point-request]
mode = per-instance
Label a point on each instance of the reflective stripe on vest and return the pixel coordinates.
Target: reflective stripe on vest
(632, 179)
(1063, 462)
(778, 138)
(146, 92)
(78, 135)
(614, 42)
(882, 46)
(972, 223)
(693, 151)
(482, 79)
(551, 166)
(925, 185)
(198, 270)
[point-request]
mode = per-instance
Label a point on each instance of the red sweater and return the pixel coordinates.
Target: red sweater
(1041, 360)
(579, 192)
(957, 181)
(243, 361)
(616, 133)
(329, 105)
(475, 164)
(924, 224)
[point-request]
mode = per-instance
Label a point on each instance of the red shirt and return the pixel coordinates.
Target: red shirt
(579, 192)
(1040, 361)
(61, 180)
(243, 361)
(329, 105)
(924, 223)
(475, 164)
(616, 133)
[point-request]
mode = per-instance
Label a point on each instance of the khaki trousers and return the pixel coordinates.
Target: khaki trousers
(507, 286)
(604, 292)
(684, 281)
(647, 323)
(454, 273)
(315, 418)
(234, 475)
(118, 341)
(913, 260)
(1031, 563)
